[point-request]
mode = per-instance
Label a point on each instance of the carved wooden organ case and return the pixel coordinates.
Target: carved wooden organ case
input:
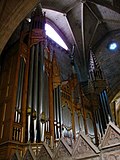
(36, 105)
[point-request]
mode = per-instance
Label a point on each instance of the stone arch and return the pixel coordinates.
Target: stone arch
(11, 16)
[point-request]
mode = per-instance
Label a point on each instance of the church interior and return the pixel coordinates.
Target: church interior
(60, 98)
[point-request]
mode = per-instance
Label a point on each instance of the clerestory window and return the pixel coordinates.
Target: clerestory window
(50, 32)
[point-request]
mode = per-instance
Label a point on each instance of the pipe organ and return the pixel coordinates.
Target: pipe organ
(43, 107)
(98, 98)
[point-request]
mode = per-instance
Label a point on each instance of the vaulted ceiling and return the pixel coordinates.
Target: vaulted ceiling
(89, 24)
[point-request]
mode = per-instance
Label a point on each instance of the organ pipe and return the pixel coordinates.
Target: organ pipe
(60, 109)
(35, 77)
(22, 77)
(21, 87)
(19, 90)
(30, 93)
(55, 115)
(82, 126)
(102, 107)
(41, 90)
(107, 105)
(51, 104)
(35, 87)
(30, 83)
(101, 114)
(95, 128)
(46, 102)
(77, 126)
(99, 122)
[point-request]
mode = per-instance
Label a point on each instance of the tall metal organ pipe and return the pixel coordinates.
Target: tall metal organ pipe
(59, 110)
(30, 93)
(41, 92)
(35, 88)
(98, 119)
(46, 102)
(57, 113)
(19, 91)
(104, 108)
(22, 77)
(18, 88)
(107, 105)
(21, 88)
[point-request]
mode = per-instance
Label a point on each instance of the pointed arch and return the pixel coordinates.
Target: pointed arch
(50, 32)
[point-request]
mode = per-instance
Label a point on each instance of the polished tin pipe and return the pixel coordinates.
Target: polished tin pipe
(55, 115)
(103, 121)
(35, 77)
(107, 105)
(99, 122)
(30, 83)
(54, 98)
(35, 89)
(57, 112)
(46, 100)
(21, 87)
(30, 95)
(21, 82)
(60, 109)
(103, 109)
(41, 92)
(18, 92)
